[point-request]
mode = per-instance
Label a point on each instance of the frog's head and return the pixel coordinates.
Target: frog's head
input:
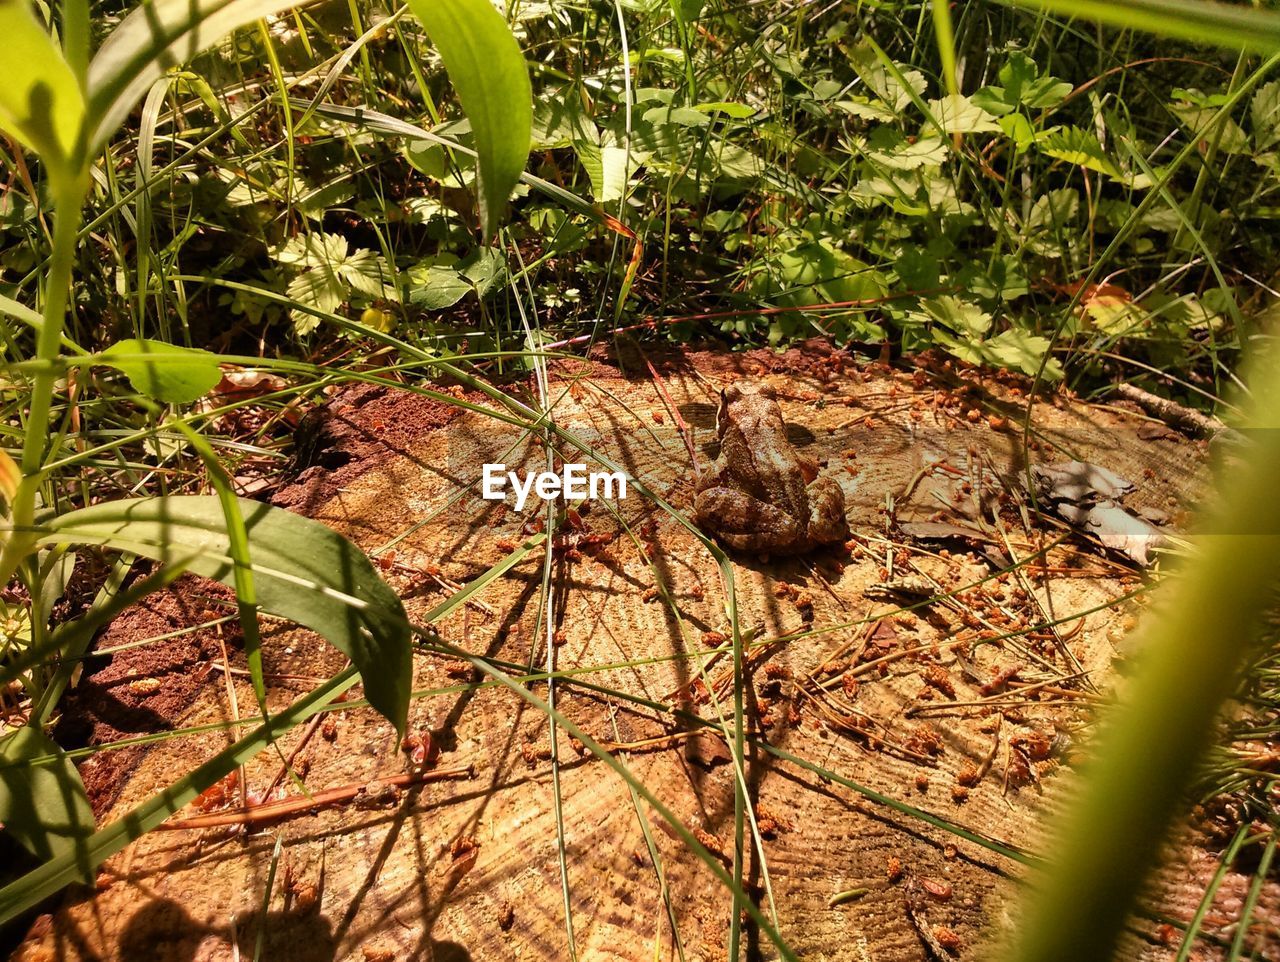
(738, 402)
(729, 396)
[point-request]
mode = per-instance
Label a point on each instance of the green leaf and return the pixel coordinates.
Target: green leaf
(1203, 123)
(43, 806)
(1264, 115)
(368, 273)
(957, 114)
(881, 81)
(486, 270)
(490, 76)
(302, 570)
(1017, 350)
(960, 316)
(816, 273)
(729, 109)
(435, 287)
(155, 36)
(166, 372)
(1079, 147)
(1021, 85)
(609, 169)
(40, 101)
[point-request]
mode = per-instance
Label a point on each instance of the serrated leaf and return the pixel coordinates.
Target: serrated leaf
(43, 806)
(1264, 115)
(881, 82)
(302, 571)
(166, 372)
(368, 273)
(40, 100)
(320, 287)
(315, 249)
(1081, 148)
(960, 316)
(901, 154)
(489, 74)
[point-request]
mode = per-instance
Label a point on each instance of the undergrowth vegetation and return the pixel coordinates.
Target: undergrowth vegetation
(340, 192)
(764, 155)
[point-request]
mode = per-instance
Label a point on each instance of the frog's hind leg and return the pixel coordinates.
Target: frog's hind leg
(744, 523)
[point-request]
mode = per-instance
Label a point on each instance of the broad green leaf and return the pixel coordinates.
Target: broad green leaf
(40, 101)
(1017, 350)
(302, 571)
(1053, 210)
(609, 169)
(486, 269)
(166, 372)
(155, 36)
(961, 316)
(43, 806)
(729, 109)
(490, 76)
(1021, 85)
(816, 273)
(435, 287)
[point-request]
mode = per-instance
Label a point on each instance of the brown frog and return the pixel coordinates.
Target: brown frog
(761, 494)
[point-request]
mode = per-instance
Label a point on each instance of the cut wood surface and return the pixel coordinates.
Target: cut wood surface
(468, 867)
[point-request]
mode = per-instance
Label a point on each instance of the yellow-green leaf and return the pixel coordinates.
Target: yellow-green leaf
(175, 375)
(40, 101)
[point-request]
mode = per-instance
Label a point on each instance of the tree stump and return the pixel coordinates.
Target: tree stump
(850, 682)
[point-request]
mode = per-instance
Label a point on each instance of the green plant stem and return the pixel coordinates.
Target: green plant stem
(1149, 745)
(66, 222)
